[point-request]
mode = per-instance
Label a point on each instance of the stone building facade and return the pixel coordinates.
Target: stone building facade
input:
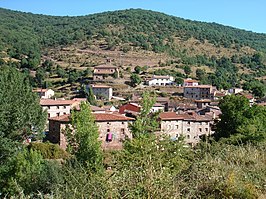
(113, 129)
(102, 91)
(199, 92)
(189, 125)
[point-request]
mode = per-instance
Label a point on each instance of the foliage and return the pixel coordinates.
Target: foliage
(187, 70)
(29, 173)
(20, 112)
(239, 122)
(146, 121)
(86, 146)
(49, 150)
(135, 79)
(90, 96)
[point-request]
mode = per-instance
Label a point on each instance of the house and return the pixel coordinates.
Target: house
(58, 107)
(189, 125)
(249, 96)
(113, 129)
(103, 71)
(235, 90)
(130, 109)
(133, 109)
(102, 91)
(157, 107)
(184, 107)
(199, 92)
(156, 80)
(162, 100)
(202, 103)
(44, 93)
(190, 82)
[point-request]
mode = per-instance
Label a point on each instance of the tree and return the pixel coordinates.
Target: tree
(146, 121)
(90, 96)
(137, 69)
(187, 69)
(239, 122)
(87, 147)
(20, 111)
(135, 79)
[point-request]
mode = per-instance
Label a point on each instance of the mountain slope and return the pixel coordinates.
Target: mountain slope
(226, 56)
(146, 29)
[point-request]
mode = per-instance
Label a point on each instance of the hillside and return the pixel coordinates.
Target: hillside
(130, 38)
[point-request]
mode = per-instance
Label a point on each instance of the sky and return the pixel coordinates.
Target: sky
(245, 14)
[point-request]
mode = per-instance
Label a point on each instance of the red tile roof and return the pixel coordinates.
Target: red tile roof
(192, 116)
(101, 117)
(199, 86)
(190, 80)
(50, 102)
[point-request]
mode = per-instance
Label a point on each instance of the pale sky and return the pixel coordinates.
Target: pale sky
(244, 14)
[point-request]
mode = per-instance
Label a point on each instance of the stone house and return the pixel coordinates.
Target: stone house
(113, 129)
(58, 107)
(190, 82)
(199, 92)
(157, 107)
(44, 93)
(156, 80)
(189, 125)
(202, 103)
(102, 91)
(102, 71)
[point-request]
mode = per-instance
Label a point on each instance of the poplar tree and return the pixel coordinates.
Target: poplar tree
(85, 131)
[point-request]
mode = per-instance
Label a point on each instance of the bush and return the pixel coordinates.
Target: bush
(49, 151)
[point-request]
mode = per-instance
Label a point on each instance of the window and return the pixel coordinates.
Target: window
(123, 130)
(49, 115)
(176, 126)
(188, 136)
(188, 129)
(188, 122)
(108, 130)
(200, 129)
(64, 107)
(206, 129)
(123, 122)
(108, 122)
(57, 114)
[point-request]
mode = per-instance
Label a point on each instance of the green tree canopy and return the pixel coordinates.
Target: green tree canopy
(135, 79)
(146, 121)
(85, 146)
(20, 111)
(239, 122)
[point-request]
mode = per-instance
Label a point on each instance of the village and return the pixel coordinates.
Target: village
(192, 117)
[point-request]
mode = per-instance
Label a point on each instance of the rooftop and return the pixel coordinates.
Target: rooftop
(188, 116)
(50, 102)
(105, 66)
(100, 86)
(101, 117)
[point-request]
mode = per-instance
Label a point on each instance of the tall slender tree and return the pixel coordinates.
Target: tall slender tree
(85, 132)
